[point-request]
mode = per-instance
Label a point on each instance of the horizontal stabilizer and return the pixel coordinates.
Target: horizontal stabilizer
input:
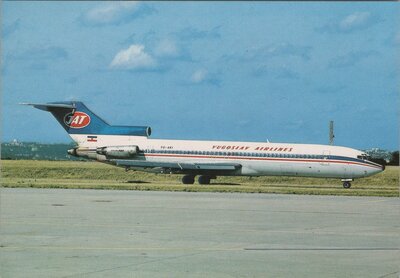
(48, 106)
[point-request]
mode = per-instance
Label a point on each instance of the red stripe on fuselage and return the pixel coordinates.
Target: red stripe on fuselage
(267, 159)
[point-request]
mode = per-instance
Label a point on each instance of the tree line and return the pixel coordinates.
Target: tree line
(394, 160)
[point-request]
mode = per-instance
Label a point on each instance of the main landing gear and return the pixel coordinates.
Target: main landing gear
(204, 179)
(189, 179)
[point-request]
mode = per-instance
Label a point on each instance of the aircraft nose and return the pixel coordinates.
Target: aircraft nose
(383, 167)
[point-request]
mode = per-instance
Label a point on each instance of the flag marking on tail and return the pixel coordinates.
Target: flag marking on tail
(91, 138)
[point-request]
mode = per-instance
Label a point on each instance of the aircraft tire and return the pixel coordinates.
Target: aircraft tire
(346, 184)
(204, 179)
(188, 179)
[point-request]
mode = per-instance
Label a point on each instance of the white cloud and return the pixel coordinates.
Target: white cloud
(271, 51)
(199, 76)
(167, 48)
(158, 56)
(192, 33)
(351, 58)
(202, 76)
(281, 71)
(115, 13)
(354, 20)
(133, 58)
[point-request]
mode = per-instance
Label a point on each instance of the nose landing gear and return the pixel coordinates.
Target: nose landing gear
(346, 184)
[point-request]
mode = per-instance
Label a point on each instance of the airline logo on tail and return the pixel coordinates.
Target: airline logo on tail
(77, 119)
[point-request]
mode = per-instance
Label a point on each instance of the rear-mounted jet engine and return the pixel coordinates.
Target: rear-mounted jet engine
(118, 151)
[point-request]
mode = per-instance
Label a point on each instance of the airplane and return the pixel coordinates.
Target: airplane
(131, 148)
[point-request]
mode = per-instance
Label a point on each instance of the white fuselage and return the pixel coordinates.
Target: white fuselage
(256, 158)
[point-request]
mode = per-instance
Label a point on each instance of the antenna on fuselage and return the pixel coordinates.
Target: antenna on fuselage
(331, 134)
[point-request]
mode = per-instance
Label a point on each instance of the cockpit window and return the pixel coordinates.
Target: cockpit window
(364, 157)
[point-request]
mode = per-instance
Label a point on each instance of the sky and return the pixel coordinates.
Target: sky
(243, 71)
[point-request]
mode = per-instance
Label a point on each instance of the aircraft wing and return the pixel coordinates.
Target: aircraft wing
(180, 167)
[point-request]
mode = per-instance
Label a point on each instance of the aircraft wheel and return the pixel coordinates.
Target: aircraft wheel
(346, 184)
(188, 179)
(204, 179)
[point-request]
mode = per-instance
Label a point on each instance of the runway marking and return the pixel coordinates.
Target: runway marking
(323, 249)
(124, 248)
(377, 201)
(389, 274)
(313, 230)
(203, 249)
(132, 265)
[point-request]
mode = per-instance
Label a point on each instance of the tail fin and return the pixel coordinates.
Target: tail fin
(76, 118)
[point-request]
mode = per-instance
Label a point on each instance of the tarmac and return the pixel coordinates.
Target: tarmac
(102, 233)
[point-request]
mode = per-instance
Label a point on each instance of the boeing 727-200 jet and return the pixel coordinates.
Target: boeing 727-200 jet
(130, 147)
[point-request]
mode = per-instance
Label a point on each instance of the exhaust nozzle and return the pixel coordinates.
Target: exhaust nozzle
(72, 152)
